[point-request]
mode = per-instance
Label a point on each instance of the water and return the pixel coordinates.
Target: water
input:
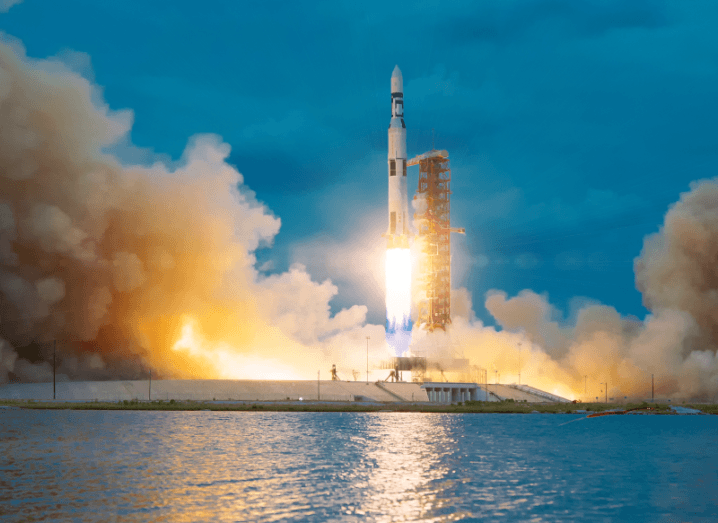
(254, 466)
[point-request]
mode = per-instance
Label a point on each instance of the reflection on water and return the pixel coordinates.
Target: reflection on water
(204, 466)
(409, 455)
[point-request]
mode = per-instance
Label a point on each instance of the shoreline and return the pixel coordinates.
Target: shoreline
(469, 407)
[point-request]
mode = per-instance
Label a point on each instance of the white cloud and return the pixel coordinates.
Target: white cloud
(5, 5)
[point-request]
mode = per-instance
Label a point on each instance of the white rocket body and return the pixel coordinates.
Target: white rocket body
(398, 232)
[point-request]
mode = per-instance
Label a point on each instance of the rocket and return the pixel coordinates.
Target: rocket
(397, 234)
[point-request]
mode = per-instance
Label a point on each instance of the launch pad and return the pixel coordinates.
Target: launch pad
(414, 364)
(424, 370)
(433, 238)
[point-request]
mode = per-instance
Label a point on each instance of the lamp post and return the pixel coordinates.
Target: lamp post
(367, 360)
(519, 363)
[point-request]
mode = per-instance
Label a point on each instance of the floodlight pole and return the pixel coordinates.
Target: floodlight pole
(367, 360)
(519, 363)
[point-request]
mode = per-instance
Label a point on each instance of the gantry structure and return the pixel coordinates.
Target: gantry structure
(434, 236)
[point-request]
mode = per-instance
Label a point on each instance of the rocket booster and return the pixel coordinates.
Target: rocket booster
(398, 232)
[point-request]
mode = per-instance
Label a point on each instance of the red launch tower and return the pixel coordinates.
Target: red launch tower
(434, 234)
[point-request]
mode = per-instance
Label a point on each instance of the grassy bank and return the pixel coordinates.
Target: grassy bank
(507, 407)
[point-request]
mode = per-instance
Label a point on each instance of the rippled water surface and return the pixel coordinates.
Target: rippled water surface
(254, 466)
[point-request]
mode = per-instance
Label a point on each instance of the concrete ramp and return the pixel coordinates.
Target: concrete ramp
(524, 393)
(400, 392)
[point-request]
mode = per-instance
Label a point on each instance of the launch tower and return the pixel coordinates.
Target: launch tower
(434, 230)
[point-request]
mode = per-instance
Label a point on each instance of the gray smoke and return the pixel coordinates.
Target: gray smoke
(678, 267)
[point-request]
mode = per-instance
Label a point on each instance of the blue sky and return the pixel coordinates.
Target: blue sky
(571, 126)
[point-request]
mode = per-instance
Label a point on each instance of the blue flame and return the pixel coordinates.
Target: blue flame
(398, 334)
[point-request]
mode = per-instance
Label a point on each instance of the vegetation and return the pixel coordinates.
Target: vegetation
(507, 407)
(708, 409)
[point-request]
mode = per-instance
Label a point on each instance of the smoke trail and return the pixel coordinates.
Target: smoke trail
(398, 300)
(116, 261)
(676, 343)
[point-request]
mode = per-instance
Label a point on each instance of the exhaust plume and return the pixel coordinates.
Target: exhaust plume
(132, 267)
(677, 274)
(398, 300)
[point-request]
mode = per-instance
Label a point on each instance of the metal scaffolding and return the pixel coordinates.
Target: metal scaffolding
(434, 230)
(414, 364)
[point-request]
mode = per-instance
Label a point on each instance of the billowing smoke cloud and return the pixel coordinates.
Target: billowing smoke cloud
(139, 267)
(678, 276)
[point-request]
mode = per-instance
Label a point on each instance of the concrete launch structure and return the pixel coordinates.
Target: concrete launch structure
(398, 231)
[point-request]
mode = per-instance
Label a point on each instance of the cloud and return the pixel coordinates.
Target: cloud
(5, 5)
(50, 290)
(122, 262)
(676, 342)
(307, 317)
(676, 269)
(358, 261)
(599, 344)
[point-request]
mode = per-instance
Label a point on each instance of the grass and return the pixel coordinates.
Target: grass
(506, 407)
(708, 409)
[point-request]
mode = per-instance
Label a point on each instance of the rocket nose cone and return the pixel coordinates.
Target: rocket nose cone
(397, 82)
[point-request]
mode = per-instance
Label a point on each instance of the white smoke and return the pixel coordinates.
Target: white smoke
(676, 343)
(113, 260)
